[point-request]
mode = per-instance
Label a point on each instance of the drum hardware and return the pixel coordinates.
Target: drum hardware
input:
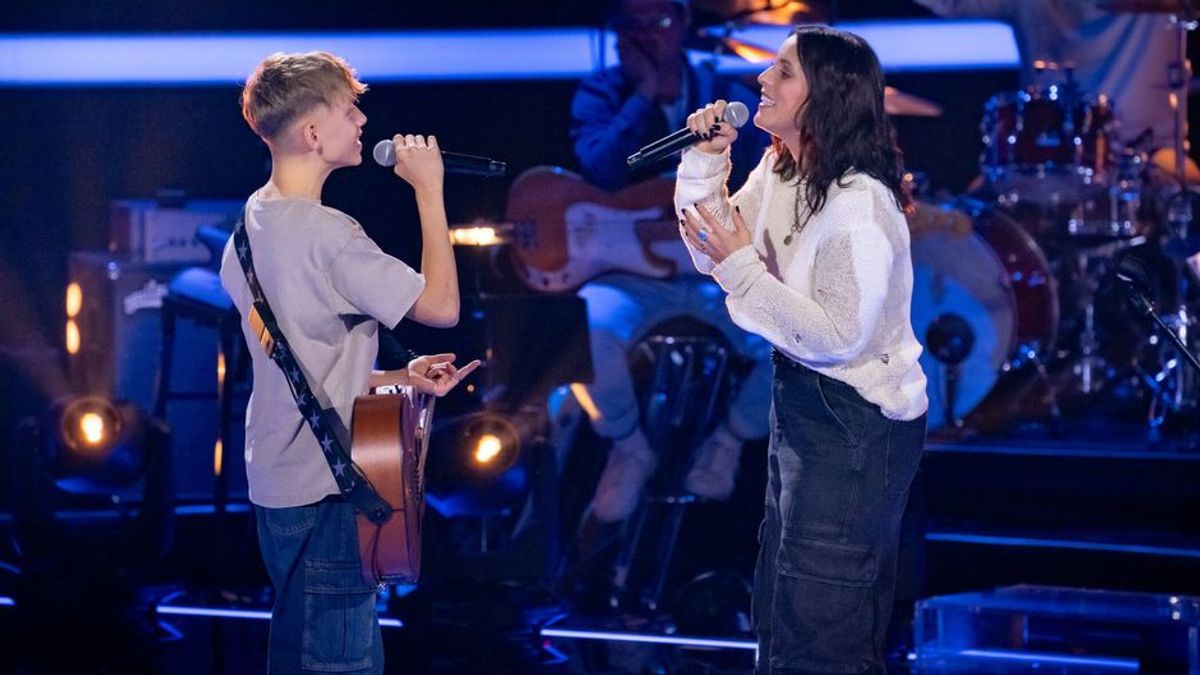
(1089, 361)
(1174, 386)
(950, 339)
(1089, 365)
(1112, 211)
(1031, 354)
(1182, 241)
(1014, 316)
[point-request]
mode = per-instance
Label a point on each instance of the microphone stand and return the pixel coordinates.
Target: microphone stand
(1143, 304)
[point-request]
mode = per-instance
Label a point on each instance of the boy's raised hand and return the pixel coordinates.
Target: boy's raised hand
(419, 161)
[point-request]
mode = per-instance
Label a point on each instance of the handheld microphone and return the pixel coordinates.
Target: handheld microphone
(469, 165)
(736, 114)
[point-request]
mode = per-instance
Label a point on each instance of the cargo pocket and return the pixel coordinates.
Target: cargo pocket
(339, 617)
(843, 405)
(824, 612)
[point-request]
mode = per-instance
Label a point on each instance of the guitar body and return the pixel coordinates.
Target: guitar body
(390, 434)
(567, 231)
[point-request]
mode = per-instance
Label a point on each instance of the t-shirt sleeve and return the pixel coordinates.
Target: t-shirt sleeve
(374, 282)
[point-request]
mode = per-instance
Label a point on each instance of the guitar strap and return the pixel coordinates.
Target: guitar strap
(323, 422)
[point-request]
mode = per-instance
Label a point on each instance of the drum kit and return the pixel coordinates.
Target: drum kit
(1029, 311)
(1071, 291)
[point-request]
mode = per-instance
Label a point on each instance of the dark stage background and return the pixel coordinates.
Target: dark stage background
(67, 153)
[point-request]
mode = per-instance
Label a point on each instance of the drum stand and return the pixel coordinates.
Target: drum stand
(1175, 387)
(950, 340)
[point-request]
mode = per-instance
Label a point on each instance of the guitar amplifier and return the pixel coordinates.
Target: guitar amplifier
(147, 230)
(118, 352)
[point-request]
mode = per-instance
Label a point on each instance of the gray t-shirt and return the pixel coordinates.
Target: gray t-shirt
(330, 287)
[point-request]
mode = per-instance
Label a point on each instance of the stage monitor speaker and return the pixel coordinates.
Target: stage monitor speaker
(117, 352)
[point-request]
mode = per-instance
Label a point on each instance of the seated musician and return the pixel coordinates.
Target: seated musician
(615, 112)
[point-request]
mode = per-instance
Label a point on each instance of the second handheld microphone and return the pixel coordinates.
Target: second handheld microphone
(736, 114)
(470, 165)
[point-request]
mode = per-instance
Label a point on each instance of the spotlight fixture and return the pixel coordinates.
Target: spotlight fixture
(488, 448)
(89, 425)
(98, 445)
(479, 234)
(474, 465)
(494, 443)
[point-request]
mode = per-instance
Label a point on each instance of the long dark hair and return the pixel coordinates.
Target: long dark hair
(842, 125)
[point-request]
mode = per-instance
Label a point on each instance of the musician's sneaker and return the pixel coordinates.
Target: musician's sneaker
(716, 466)
(631, 462)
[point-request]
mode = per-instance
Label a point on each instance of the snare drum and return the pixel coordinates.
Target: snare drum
(997, 286)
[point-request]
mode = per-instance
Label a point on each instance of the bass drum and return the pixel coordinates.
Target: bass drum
(985, 307)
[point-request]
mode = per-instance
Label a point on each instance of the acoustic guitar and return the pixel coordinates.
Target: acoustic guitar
(390, 436)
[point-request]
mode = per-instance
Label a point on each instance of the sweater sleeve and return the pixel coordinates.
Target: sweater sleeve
(832, 324)
(701, 179)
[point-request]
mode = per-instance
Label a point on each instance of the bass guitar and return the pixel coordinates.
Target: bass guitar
(566, 231)
(563, 232)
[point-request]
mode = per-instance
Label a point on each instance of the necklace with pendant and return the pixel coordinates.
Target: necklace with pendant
(796, 224)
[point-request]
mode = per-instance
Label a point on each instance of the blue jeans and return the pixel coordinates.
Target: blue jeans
(838, 474)
(324, 618)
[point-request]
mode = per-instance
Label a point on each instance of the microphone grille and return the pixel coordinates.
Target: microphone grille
(384, 153)
(736, 114)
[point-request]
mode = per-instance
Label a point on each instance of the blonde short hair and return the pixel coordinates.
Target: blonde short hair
(285, 86)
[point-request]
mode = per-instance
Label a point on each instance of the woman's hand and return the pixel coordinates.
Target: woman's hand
(708, 236)
(706, 123)
(435, 374)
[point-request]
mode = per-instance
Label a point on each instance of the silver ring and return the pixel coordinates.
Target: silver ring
(703, 234)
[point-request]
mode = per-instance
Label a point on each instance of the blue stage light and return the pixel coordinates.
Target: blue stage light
(677, 640)
(261, 615)
(28, 60)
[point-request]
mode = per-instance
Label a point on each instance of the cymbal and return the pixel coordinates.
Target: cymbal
(1146, 6)
(787, 14)
(896, 102)
(769, 12)
(749, 51)
(1164, 160)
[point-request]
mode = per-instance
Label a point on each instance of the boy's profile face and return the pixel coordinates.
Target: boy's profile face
(338, 131)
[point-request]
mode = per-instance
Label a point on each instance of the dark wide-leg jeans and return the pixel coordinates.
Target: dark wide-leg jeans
(838, 476)
(324, 618)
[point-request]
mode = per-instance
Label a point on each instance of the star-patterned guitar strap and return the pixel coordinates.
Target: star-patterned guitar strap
(323, 422)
